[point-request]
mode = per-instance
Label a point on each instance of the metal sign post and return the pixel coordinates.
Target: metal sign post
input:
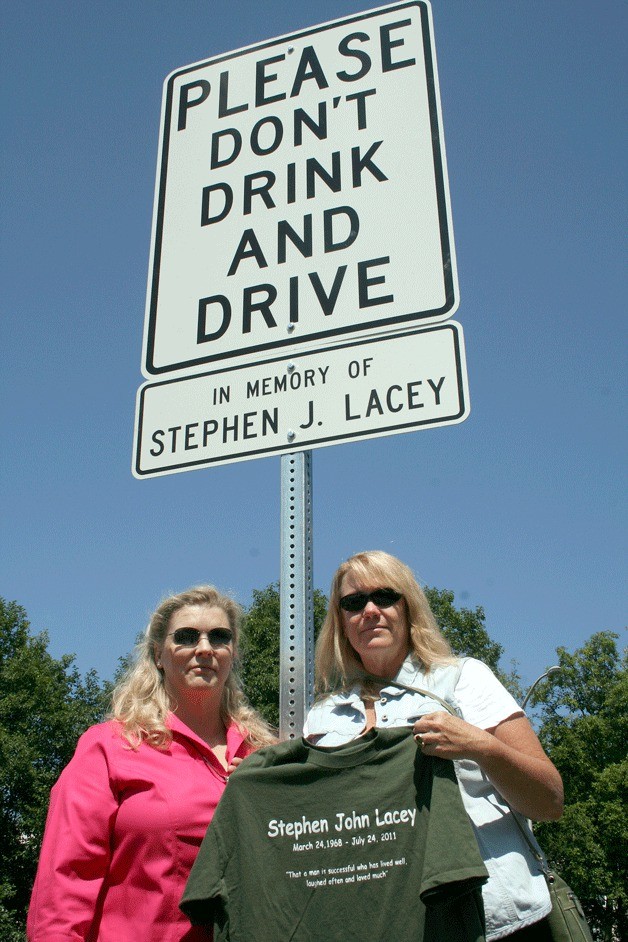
(296, 638)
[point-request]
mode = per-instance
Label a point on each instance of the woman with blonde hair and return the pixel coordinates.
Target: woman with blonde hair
(381, 661)
(131, 808)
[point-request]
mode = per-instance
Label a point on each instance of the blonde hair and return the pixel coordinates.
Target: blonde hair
(140, 701)
(337, 666)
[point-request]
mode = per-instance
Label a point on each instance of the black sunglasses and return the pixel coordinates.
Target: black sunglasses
(190, 637)
(383, 598)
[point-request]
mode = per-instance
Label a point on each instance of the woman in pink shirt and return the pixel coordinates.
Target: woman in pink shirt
(130, 810)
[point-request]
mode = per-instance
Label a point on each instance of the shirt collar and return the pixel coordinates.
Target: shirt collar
(234, 735)
(408, 673)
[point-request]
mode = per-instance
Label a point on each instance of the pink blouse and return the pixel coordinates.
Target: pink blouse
(123, 830)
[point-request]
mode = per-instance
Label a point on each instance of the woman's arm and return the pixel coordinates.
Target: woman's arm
(75, 852)
(510, 755)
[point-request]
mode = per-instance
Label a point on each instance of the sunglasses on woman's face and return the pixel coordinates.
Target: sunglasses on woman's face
(190, 637)
(383, 598)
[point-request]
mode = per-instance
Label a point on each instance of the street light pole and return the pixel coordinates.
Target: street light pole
(551, 670)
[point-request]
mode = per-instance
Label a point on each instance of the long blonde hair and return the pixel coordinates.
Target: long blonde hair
(140, 701)
(337, 666)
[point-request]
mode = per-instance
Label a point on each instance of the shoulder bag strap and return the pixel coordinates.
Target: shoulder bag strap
(425, 693)
(540, 859)
(429, 693)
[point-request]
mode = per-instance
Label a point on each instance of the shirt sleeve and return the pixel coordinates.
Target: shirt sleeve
(482, 698)
(75, 853)
(452, 865)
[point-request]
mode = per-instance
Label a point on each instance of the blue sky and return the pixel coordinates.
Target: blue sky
(520, 509)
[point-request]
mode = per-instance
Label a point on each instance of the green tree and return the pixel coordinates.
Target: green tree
(260, 648)
(464, 628)
(44, 707)
(466, 632)
(583, 714)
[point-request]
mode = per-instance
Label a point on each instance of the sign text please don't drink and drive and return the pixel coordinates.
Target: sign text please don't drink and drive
(301, 196)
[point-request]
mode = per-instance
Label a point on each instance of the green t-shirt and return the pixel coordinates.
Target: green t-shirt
(368, 841)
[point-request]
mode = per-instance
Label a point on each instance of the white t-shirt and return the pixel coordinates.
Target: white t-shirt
(482, 699)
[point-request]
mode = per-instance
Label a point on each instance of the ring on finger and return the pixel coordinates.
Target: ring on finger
(419, 740)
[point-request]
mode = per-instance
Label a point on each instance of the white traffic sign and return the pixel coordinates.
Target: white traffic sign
(349, 392)
(301, 195)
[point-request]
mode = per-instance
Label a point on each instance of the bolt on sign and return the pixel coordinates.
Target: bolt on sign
(301, 195)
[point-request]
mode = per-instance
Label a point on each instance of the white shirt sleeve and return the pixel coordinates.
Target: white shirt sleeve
(483, 700)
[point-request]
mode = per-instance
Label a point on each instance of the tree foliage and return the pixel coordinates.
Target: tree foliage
(44, 707)
(584, 728)
(260, 648)
(466, 632)
(464, 628)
